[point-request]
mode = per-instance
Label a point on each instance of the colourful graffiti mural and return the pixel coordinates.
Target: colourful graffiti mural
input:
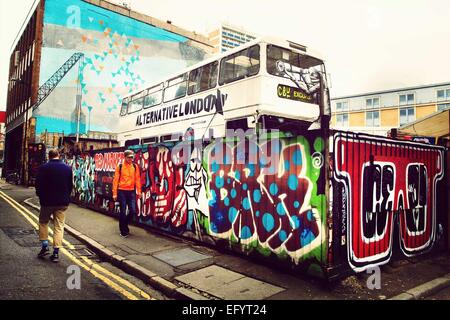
(275, 205)
(272, 205)
(269, 196)
(385, 186)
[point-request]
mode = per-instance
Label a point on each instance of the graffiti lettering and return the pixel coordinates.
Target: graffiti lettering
(386, 185)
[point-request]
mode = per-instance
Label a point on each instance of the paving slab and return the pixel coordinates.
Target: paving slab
(226, 284)
(209, 278)
(246, 289)
(180, 257)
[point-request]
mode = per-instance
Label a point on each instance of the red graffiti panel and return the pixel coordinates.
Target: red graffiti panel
(165, 199)
(387, 184)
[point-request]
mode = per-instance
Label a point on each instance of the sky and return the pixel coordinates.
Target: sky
(367, 45)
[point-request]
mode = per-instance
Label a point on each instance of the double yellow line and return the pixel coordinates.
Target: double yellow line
(115, 282)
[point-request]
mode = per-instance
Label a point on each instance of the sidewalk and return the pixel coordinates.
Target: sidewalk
(183, 269)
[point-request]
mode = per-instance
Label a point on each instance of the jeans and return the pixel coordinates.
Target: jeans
(126, 198)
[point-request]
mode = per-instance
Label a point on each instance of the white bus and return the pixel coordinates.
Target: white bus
(267, 83)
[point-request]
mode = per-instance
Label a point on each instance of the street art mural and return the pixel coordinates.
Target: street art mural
(83, 178)
(275, 205)
(271, 203)
(269, 197)
(121, 54)
(386, 192)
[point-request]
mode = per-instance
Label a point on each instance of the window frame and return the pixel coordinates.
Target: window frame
(134, 98)
(407, 115)
(446, 92)
(125, 102)
(372, 124)
(212, 83)
(445, 105)
(169, 85)
(153, 90)
(406, 103)
(372, 99)
(222, 81)
(344, 124)
(345, 102)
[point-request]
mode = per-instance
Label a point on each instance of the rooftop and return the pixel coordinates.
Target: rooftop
(393, 90)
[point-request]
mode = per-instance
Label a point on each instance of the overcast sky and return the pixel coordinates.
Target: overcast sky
(368, 45)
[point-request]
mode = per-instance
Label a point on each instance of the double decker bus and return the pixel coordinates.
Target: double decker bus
(267, 83)
(314, 198)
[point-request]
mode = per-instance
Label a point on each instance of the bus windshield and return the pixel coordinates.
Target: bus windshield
(302, 69)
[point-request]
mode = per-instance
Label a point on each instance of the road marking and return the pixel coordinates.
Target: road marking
(88, 264)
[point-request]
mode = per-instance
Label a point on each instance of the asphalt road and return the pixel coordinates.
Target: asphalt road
(441, 295)
(25, 277)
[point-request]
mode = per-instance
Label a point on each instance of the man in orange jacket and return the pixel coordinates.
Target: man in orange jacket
(126, 185)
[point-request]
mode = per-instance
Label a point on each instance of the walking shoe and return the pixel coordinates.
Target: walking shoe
(54, 257)
(124, 235)
(44, 251)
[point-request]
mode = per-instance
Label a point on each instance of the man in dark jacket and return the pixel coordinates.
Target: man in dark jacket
(53, 187)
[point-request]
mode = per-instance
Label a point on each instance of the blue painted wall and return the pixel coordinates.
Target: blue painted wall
(121, 55)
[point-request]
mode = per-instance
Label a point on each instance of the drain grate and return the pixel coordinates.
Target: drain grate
(82, 252)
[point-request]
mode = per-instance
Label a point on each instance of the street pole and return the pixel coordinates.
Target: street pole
(24, 150)
(78, 119)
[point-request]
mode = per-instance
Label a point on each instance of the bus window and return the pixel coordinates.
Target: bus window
(176, 88)
(124, 109)
(175, 137)
(149, 140)
(130, 143)
(203, 78)
(153, 97)
(242, 64)
(136, 103)
(275, 54)
(236, 124)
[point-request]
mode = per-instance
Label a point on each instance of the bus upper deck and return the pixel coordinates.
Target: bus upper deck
(268, 82)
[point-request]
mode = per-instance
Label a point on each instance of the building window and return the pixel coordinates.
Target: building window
(342, 120)
(373, 119)
(406, 99)
(372, 103)
(407, 115)
(342, 106)
(443, 94)
(443, 106)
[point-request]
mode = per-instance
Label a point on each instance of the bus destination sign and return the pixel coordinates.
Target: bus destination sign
(291, 93)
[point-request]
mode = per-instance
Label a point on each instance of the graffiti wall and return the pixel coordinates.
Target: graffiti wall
(262, 197)
(387, 199)
(269, 197)
(120, 55)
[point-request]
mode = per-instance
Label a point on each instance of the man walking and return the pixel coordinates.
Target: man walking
(126, 185)
(53, 187)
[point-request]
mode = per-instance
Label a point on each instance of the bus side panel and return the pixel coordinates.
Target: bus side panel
(388, 200)
(263, 198)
